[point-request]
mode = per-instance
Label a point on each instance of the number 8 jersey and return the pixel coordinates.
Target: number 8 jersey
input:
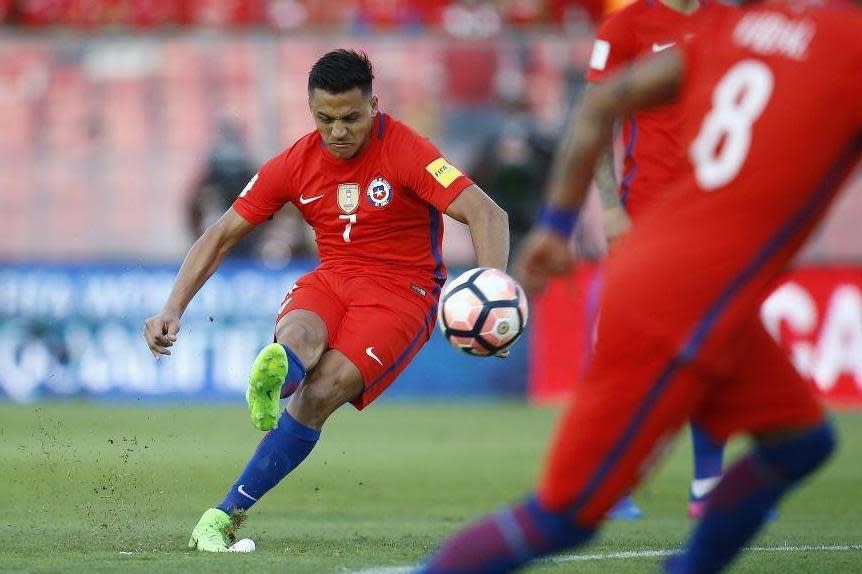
(652, 157)
(772, 127)
(376, 213)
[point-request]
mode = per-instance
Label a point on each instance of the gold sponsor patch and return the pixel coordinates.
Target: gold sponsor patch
(443, 171)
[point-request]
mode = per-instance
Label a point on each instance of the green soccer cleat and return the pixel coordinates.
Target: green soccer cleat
(212, 532)
(264, 386)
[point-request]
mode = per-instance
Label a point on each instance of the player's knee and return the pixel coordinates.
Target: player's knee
(307, 342)
(794, 458)
(327, 389)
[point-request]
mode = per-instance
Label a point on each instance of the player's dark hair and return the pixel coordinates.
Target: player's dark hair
(340, 71)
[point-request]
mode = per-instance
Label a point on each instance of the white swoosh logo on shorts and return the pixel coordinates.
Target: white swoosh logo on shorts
(244, 493)
(307, 200)
(370, 352)
(660, 47)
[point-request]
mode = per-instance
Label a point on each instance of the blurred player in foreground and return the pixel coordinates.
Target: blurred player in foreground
(374, 191)
(652, 161)
(773, 126)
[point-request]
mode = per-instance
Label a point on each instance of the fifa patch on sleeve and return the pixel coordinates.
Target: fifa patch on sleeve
(443, 171)
(599, 57)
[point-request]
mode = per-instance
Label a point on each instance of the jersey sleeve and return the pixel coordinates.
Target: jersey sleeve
(267, 191)
(613, 49)
(422, 168)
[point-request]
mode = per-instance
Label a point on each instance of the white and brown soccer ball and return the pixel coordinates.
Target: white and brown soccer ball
(483, 311)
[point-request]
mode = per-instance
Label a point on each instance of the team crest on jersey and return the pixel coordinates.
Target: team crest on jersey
(348, 197)
(379, 192)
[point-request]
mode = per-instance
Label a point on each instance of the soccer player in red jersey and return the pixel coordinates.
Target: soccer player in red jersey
(652, 160)
(772, 126)
(374, 191)
(652, 150)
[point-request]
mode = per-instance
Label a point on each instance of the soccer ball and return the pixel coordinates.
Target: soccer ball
(482, 312)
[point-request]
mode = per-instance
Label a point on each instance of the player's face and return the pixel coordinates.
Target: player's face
(343, 120)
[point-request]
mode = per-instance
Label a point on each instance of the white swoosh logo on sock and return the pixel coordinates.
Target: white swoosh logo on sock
(244, 493)
(700, 487)
(370, 352)
(307, 200)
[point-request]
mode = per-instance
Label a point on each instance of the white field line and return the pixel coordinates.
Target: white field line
(646, 553)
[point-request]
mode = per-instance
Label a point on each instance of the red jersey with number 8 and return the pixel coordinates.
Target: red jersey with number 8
(773, 125)
(376, 213)
(651, 139)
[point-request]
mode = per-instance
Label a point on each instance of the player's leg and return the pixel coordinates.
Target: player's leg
(287, 446)
(766, 397)
(333, 382)
(626, 508)
(310, 311)
(383, 331)
(302, 336)
(708, 455)
(351, 370)
(623, 414)
(376, 337)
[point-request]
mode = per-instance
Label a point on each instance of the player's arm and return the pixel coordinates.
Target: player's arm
(614, 49)
(649, 83)
(200, 263)
(616, 220)
(605, 177)
(488, 223)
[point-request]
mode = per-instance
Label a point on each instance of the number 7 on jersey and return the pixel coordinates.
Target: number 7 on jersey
(351, 221)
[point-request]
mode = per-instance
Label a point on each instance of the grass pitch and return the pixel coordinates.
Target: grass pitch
(101, 488)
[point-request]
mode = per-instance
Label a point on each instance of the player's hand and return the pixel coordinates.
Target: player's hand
(160, 331)
(542, 254)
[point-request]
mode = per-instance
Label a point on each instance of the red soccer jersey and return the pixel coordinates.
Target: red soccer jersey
(379, 212)
(651, 138)
(772, 125)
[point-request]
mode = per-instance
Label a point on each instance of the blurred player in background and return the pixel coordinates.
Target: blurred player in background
(652, 162)
(374, 191)
(228, 167)
(772, 126)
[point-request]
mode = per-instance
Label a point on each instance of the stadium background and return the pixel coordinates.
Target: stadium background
(125, 126)
(114, 115)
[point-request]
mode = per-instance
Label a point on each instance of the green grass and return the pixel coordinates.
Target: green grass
(81, 483)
